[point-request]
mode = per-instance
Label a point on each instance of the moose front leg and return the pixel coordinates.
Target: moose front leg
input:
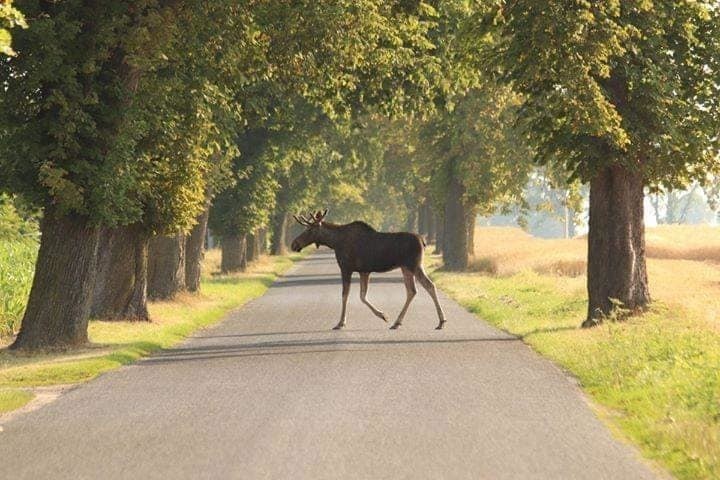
(346, 277)
(409, 279)
(364, 280)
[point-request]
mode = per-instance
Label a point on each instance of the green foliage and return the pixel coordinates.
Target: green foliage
(124, 113)
(348, 55)
(9, 17)
(614, 82)
(477, 142)
(17, 220)
(17, 266)
(246, 205)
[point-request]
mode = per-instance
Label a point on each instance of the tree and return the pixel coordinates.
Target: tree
(115, 119)
(98, 113)
(241, 209)
(10, 17)
(478, 162)
(622, 95)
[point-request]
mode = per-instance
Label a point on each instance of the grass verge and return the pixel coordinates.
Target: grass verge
(656, 377)
(119, 343)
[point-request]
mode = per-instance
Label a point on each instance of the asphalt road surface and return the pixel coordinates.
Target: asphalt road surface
(273, 392)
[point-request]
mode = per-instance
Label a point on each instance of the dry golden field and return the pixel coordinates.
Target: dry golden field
(683, 265)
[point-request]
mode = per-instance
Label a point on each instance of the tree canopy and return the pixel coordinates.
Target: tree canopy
(614, 82)
(10, 17)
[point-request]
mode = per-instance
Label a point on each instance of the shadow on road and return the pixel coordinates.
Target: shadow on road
(289, 347)
(329, 280)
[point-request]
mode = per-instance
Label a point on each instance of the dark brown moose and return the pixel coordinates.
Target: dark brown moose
(360, 248)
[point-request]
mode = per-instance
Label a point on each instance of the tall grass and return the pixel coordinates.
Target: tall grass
(17, 265)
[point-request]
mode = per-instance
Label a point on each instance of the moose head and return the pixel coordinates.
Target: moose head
(313, 230)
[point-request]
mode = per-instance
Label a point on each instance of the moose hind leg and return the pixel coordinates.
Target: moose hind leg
(364, 280)
(409, 279)
(430, 287)
(346, 277)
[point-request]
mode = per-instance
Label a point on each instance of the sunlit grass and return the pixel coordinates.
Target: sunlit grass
(17, 264)
(656, 376)
(13, 399)
(119, 343)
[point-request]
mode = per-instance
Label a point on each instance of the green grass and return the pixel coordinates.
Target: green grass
(119, 343)
(13, 399)
(17, 264)
(655, 377)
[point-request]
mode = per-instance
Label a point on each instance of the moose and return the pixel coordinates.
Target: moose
(360, 248)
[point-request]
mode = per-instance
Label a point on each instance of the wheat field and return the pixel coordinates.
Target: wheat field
(683, 262)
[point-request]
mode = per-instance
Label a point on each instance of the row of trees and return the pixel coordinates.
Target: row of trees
(135, 125)
(123, 121)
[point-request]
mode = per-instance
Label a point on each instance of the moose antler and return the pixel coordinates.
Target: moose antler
(320, 216)
(302, 220)
(312, 218)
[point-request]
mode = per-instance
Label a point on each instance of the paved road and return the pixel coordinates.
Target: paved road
(272, 392)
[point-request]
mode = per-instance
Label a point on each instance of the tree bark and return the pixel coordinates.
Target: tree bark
(440, 234)
(253, 247)
(431, 226)
(455, 250)
(59, 305)
(279, 234)
(262, 241)
(571, 223)
(234, 253)
(423, 219)
(470, 226)
(195, 251)
(121, 282)
(616, 244)
(166, 266)
(411, 220)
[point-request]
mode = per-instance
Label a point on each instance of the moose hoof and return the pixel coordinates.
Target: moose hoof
(440, 326)
(395, 326)
(384, 317)
(338, 327)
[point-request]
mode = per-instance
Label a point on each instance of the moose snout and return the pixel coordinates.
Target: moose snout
(295, 246)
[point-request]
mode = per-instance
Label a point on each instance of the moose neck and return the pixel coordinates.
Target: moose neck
(331, 235)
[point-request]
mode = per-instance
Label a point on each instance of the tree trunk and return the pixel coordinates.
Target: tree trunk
(121, 282)
(59, 305)
(616, 244)
(423, 219)
(279, 234)
(571, 223)
(455, 250)
(440, 234)
(166, 266)
(262, 241)
(411, 220)
(470, 226)
(672, 206)
(195, 251)
(252, 248)
(431, 226)
(234, 249)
